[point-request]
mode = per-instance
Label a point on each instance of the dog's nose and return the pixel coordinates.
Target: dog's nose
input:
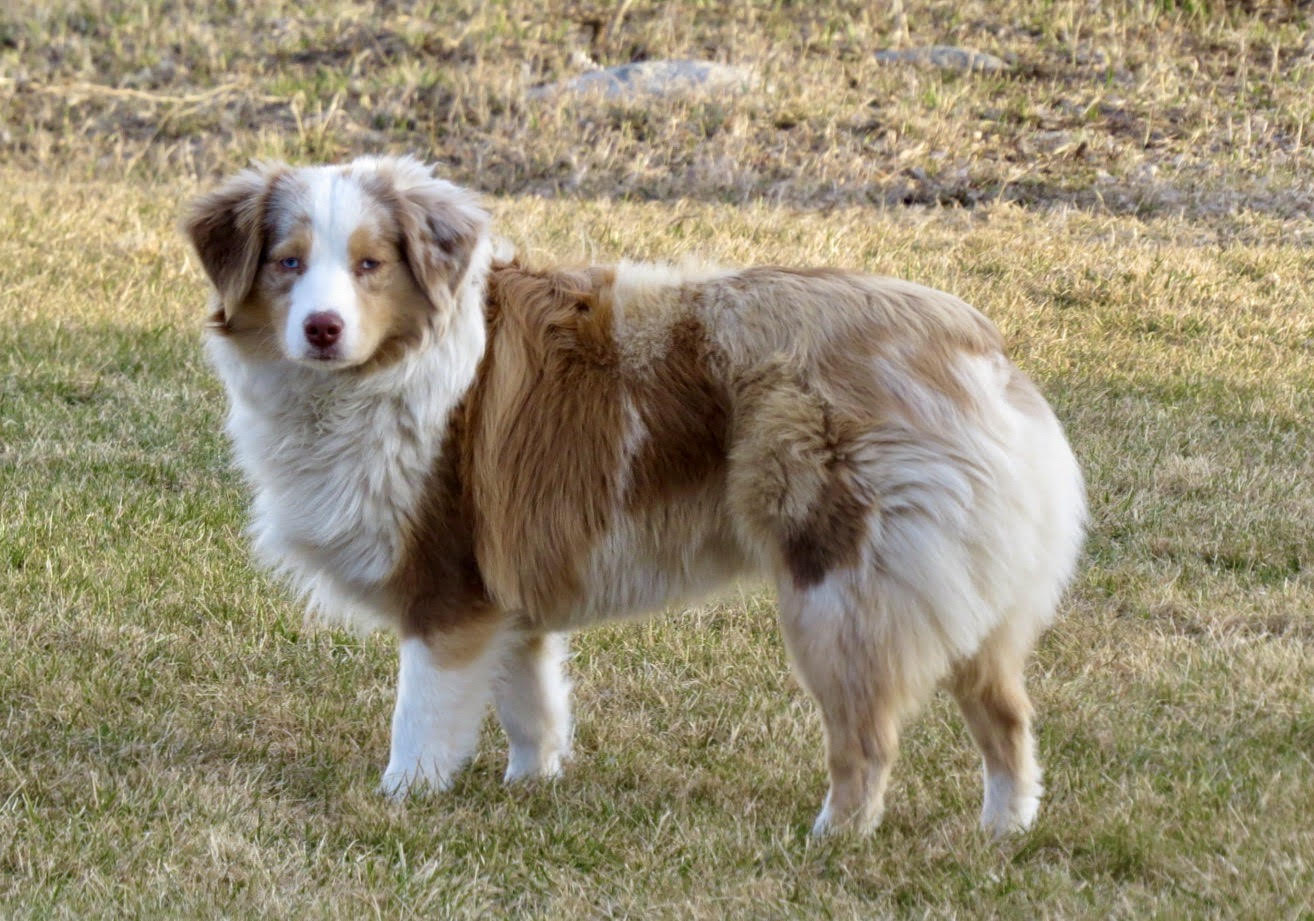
(323, 328)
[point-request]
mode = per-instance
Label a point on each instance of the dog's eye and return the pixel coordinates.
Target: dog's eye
(291, 263)
(368, 265)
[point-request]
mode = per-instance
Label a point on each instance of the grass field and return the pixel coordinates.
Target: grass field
(1136, 216)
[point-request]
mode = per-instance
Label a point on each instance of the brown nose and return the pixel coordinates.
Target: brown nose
(323, 328)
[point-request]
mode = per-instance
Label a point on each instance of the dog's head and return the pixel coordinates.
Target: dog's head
(335, 266)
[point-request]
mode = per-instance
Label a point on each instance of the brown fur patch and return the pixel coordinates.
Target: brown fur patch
(438, 585)
(831, 536)
(437, 238)
(255, 321)
(290, 236)
(457, 644)
(882, 311)
(1024, 395)
(253, 325)
(226, 228)
(934, 365)
(794, 476)
(395, 310)
(546, 453)
(685, 411)
(765, 274)
(995, 705)
(263, 229)
(862, 341)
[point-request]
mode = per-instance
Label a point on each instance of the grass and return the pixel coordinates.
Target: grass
(1136, 106)
(173, 740)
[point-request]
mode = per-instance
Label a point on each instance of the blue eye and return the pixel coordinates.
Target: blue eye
(368, 265)
(290, 263)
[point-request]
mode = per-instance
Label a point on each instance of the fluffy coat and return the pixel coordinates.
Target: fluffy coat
(492, 456)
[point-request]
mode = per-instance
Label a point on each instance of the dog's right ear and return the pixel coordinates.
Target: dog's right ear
(226, 228)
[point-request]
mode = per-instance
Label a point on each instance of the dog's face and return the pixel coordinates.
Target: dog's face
(335, 266)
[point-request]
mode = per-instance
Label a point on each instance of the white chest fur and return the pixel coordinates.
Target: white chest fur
(339, 462)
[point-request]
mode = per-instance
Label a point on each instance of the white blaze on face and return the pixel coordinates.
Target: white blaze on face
(336, 205)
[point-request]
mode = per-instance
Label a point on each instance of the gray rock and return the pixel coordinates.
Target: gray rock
(945, 57)
(1054, 141)
(650, 79)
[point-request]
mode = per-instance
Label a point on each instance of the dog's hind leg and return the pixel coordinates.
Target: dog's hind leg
(533, 705)
(838, 660)
(989, 689)
(444, 685)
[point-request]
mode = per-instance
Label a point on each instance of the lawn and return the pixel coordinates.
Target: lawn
(1132, 203)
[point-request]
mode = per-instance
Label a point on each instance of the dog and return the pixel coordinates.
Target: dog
(485, 457)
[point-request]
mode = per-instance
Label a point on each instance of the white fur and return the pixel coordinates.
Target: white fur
(435, 725)
(533, 705)
(636, 568)
(325, 284)
(824, 823)
(1010, 805)
(338, 463)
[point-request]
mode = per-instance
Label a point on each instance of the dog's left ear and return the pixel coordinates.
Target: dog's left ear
(441, 226)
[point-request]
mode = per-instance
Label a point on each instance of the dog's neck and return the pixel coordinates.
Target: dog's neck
(340, 462)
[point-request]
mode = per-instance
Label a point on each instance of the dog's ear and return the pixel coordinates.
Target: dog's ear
(441, 226)
(226, 227)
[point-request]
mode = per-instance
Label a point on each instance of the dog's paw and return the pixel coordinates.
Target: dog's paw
(531, 764)
(823, 826)
(1017, 817)
(398, 783)
(829, 823)
(1008, 810)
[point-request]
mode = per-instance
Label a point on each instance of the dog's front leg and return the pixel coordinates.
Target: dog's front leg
(444, 686)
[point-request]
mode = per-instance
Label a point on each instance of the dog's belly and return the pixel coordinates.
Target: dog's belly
(653, 558)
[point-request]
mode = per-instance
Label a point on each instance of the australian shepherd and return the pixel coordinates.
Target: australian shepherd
(485, 457)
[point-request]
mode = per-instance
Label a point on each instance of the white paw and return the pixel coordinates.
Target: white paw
(531, 764)
(401, 782)
(827, 823)
(1007, 810)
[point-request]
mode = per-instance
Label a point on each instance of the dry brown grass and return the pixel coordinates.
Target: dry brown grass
(1142, 106)
(174, 743)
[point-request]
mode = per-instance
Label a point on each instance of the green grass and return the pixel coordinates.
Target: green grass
(175, 742)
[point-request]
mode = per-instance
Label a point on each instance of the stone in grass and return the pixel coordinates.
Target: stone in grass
(945, 57)
(649, 79)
